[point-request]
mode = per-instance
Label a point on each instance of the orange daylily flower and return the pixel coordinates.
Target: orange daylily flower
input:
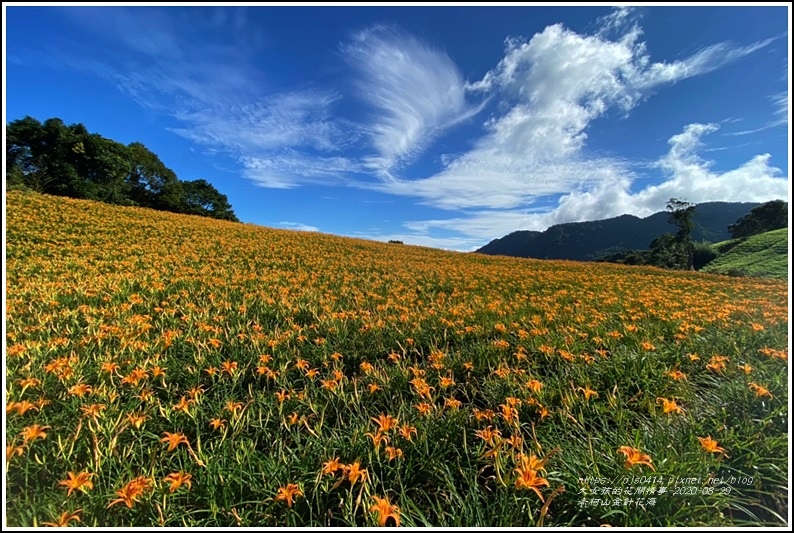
(388, 514)
(288, 493)
(183, 405)
(80, 390)
(110, 367)
(532, 462)
(229, 367)
(377, 438)
(406, 431)
(33, 432)
(386, 422)
(354, 472)
(759, 390)
(529, 479)
(136, 419)
(93, 410)
(12, 450)
(217, 423)
(424, 408)
(710, 445)
(393, 452)
(21, 407)
(81, 481)
(65, 518)
(588, 392)
(677, 375)
(28, 382)
(332, 466)
(489, 435)
(177, 479)
(669, 406)
(174, 440)
(130, 492)
(635, 457)
(282, 396)
(233, 407)
(452, 403)
(195, 392)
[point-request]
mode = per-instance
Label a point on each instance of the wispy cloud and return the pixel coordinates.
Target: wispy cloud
(298, 226)
(553, 86)
(221, 100)
(415, 91)
(779, 116)
(287, 168)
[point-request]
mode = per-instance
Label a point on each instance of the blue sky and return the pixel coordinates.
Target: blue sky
(438, 126)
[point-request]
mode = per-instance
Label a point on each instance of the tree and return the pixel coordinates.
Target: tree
(63, 160)
(766, 217)
(27, 147)
(675, 251)
(681, 214)
(201, 198)
(102, 166)
(152, 183)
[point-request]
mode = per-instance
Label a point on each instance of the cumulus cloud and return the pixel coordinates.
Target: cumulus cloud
(686, 175)
(554, 86)
(414, 90)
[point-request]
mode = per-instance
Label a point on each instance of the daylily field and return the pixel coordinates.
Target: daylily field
(167, 370)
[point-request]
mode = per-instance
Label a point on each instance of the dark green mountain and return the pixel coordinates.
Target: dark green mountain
(583, 241)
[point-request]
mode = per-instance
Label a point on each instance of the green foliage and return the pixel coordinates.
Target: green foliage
(703, 254)
(767, 217)
(201, 198)
(681, 215)
(667, 251)
(151, 182)
(624, 257)
(764, 255)
(62, 160)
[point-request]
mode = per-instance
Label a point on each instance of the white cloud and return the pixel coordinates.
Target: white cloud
(298, 226)
(702, 62)
(553, 86)
(298, 119)
(284, 169)
(686, 175)
(779, 115)
(690, 177)
(780, 102)
(415, 91)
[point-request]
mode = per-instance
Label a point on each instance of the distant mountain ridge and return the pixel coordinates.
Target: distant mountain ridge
(584, 241)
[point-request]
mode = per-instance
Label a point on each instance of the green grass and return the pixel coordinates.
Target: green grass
(764, 256)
